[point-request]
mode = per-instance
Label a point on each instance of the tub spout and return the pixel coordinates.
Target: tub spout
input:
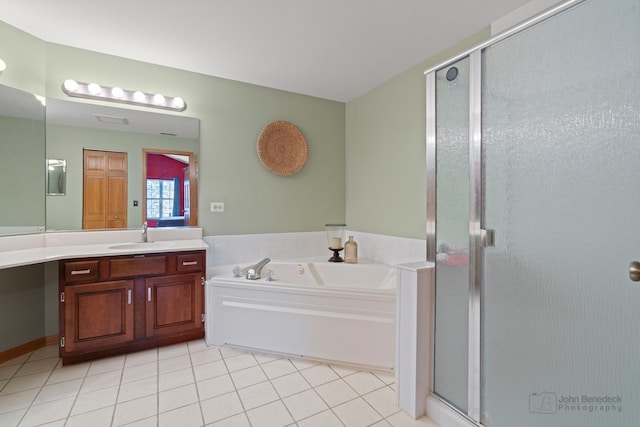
(254, 271)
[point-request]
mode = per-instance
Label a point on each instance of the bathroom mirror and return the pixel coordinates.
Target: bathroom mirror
(22, 154)
(56, 176)
(75, 128)
(26, 187)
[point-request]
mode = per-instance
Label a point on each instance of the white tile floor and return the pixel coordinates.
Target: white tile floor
(191, 384)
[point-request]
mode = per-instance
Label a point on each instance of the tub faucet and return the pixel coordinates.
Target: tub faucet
(254, 271)
(144, 232)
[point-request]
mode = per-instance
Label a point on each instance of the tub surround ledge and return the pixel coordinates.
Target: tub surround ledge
(414, 336)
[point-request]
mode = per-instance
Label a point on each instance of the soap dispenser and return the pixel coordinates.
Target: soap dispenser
(351, 251)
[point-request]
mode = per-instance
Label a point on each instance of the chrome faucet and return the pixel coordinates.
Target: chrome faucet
(254, 271)
(144, 232)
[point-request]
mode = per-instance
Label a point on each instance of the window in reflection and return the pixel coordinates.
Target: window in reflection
(161, 200)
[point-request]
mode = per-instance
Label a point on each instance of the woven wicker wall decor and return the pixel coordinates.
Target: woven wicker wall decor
(282, 148)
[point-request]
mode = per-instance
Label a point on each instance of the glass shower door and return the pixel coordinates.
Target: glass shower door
(452, 234)
(561, 164)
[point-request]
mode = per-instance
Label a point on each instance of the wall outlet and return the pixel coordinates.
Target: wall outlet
(217, 207)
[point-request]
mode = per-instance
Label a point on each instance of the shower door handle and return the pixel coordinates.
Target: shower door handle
(487, 238)
(634, 271)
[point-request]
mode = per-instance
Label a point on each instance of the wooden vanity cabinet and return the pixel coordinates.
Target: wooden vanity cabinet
(119, 304)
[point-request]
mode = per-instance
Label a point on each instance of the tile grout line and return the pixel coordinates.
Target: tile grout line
(295, 422)
(39, 391)
(115, 405)
(157, 351)
(12, 377)
(78, 392)
(195, 384)
(235, 389)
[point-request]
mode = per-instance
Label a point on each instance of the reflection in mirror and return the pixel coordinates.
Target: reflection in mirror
(73, 128)
(22, 154)
(56, 176)
(170, 199)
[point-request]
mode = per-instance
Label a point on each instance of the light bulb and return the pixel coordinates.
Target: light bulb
(3, 65)
(158, 99)
(94, 88)
(139, 96)
(71, 85)
(117, 92)
(178, 102)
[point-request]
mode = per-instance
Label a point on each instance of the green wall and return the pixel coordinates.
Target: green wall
(386, 155)
(21, 305)
(21, 289)
(22, 172)
(25, 58)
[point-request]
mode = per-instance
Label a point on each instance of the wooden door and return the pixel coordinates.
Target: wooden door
(98, 315)
(174, 304)
(105, 190)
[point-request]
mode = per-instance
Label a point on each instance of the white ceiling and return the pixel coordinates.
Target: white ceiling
(333, 49)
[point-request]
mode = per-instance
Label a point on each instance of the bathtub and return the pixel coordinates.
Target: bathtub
(332, 312)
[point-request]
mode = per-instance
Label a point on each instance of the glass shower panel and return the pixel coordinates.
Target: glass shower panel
(452, 234)
(561, 161)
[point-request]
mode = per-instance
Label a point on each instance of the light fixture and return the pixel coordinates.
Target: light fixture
(117, 94)
(94, 89)
(3, 65)
(139, 96)
(178, 102)
(70, 85)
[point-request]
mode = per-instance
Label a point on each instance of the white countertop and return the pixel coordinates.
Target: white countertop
(16, 251)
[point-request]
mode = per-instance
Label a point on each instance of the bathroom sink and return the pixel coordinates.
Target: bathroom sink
(140, 245)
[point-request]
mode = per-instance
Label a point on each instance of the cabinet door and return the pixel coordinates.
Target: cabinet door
(174, 304)
(97, 315)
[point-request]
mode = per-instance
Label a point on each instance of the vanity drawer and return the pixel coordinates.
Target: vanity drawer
(81, 271)
(138, 265)
(189, 262)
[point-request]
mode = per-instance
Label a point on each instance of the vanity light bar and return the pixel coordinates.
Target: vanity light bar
(116, 94)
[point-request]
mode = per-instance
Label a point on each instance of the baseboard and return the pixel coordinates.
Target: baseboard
(27, 347)
(51, 340)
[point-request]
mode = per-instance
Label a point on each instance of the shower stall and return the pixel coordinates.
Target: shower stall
(533, 189)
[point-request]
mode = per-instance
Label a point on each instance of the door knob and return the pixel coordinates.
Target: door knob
(634, 271)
